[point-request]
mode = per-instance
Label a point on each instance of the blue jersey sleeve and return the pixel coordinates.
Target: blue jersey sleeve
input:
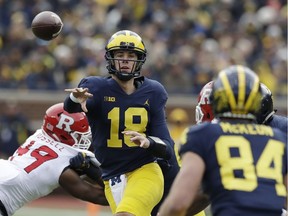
(280, 122)
(93, 84)
(193, 140)
(158, 126)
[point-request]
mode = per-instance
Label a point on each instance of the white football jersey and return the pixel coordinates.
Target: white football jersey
(33, 171)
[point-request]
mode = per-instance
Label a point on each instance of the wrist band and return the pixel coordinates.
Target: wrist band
(73, 98)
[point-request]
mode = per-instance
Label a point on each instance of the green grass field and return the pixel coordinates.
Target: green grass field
(56, 205)
(59, 206)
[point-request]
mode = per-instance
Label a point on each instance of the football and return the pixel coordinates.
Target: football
(46, 25)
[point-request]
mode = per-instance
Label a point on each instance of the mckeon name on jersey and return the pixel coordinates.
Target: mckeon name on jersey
(244, 166)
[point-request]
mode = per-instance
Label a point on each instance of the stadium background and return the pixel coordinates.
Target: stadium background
(188, 42)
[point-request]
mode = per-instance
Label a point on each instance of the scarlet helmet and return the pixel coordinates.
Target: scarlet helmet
(203, 111)
(125, 40)
(68, 128)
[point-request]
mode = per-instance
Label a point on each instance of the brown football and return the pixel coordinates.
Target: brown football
(47, 25)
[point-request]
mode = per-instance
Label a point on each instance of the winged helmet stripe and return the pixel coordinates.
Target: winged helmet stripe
(253, 93)
(241, 87)
(228, 89)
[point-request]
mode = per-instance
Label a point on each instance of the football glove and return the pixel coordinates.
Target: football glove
(80, 161)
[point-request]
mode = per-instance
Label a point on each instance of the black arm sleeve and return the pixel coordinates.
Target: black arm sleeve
(94, 173)
(159, 148)
(70, 106)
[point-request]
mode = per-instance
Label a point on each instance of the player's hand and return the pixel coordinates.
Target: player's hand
(92, 157)
(82, 95)
(80, 161)
(137, 138)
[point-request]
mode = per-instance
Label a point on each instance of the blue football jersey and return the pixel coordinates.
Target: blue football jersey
(280, 122)
(111, 111)
(244, 167)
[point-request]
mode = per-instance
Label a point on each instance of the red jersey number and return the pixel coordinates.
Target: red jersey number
(41, 154)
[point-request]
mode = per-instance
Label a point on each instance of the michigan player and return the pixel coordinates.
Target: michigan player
(126, 113)
(41, 164)
(267, 112)
(242, 165)
(268, 116)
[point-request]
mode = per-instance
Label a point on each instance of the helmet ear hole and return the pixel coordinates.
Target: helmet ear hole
(63, 137)
(59, 114)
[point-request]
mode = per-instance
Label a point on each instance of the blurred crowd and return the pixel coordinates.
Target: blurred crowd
(188, 41)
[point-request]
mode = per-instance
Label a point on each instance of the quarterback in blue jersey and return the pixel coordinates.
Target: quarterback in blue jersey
(267, 112)
(126, 113)
(241, 164)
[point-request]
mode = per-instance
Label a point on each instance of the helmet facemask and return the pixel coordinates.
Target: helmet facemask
(198, 114)
(125, 40)
(123, 75)
(82, 140)
(203, 111)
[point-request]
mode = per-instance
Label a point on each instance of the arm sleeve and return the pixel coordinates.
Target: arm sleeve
(94, 173)
(158, 127)
(159, 148)
(70, 106)
(194, 140)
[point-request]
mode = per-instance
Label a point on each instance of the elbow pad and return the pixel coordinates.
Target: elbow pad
(157, 147)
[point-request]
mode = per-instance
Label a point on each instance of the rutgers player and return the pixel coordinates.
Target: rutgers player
(203, 111)
(41, 164)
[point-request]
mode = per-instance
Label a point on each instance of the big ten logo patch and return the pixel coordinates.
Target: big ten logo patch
(65, 122)
(109, 99)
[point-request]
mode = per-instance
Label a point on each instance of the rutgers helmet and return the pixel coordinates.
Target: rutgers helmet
(267, 110)
(125, 40)
(236, 93)
(203, 111)
(68, 128)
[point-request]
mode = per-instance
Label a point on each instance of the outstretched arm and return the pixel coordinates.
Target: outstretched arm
(83, 163)
(76, 101)
(155, 145)
(74, 185)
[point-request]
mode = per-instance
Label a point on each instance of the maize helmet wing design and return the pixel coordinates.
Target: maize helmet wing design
(236, 93)
(68, 128)
(129, 41)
